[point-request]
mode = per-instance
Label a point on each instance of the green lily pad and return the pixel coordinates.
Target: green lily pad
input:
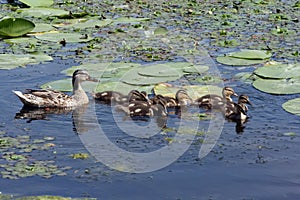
(279, 71)
(133, 77)
(41, 12)
(194, 91)
(98, 70)
(38, 3)
(292, 106)
(251, 55)
(14, 27)
(69, 37)
(39, 28)
(130, 20)
(196, 69)
(160, 31)
(11, 61)
(227, 60)
(244, 57)
(84, 23)
(278, 86)
(163, 70)
(121, 87)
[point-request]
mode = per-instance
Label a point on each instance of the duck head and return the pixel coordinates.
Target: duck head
(228, 92)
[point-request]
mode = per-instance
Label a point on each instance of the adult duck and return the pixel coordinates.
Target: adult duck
(55, 99)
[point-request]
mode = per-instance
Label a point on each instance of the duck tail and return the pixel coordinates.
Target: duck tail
(22, 97)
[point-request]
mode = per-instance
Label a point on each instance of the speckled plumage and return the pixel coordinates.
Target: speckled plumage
(55, 99)
(215, 101)
(237, 111)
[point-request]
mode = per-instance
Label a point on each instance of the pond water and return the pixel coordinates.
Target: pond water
(260, 163)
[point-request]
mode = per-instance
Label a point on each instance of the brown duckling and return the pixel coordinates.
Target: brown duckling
(237, 111)
(110, 97)
(181, 99)
(215, 101)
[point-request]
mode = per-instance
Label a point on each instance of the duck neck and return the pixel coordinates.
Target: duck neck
(78, 93)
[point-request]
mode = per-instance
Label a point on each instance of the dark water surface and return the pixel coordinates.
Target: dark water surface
(261, 163)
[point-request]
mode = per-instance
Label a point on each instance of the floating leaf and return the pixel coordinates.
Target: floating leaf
(160, 31)
(121, 87)
(38, 3)
(39, 28)
(278, 86)
(69, 37)
(130, 20)
(161, 70)
(292, 106)
(40, 12)
(279, 71)
(227, 60)
(194, 91)
(11, 61)
(244, 57)
(199, 69)
(134, 78)
(250, 55)
(14, 27)
(80, 156)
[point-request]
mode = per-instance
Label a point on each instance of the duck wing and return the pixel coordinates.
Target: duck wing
(45, 98)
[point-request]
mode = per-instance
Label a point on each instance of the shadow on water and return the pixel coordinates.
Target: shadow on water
(261, 159)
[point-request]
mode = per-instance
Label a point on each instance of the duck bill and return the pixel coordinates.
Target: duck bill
(248, 102)
(235, 94)
(93, 79)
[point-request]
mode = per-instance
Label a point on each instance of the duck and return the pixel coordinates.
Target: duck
(144, 108)
(237, 111)
(49, 98)
(215, 101)
(110, 97)
(181, 99)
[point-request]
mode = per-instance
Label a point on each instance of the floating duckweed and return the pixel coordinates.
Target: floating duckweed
(80, 156)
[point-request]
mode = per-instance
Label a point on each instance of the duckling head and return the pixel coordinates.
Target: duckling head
(244, 99)
(183, 98)
(228, 92)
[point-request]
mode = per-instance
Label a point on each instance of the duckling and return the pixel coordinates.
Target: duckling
(55, 99)
(142, 108)
(237, 111)
(215, 101)
(135, 95)
(181, 99)
(110, 97)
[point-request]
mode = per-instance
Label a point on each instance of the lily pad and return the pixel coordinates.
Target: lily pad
(133, 77)
(279, 71)
(163, 70)
(121, 87)
(39, 28)
(227, 60)
(40, 12)
(130, 20)
(292, 106)
(278, 86)
(251, 55)
(244, 57)
(38, 3)
(194, 91)
(69, 37)
(11, 61)
(14, 27)
(84, 23)
(193, 69)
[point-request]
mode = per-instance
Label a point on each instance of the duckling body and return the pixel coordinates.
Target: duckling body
(55, 99)
(181, 99)
(238, 111)
(110, 97)
(215, 101)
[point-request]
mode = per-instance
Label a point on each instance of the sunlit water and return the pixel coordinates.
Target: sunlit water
(260, 163)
